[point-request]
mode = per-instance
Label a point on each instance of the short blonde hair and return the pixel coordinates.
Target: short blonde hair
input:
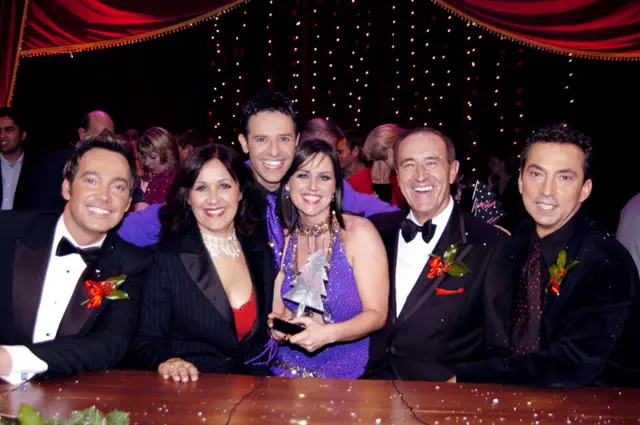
(159, 140)
(381, 141)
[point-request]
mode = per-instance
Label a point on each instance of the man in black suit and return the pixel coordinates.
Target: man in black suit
(563, 310)
(45, 326)
(46, 178)
(435, 314)
(15, 164)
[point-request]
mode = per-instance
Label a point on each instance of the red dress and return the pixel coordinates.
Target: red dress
(159, 186)
(245, 317)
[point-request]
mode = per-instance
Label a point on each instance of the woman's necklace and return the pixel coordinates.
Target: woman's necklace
(222, 247)
(330, 224)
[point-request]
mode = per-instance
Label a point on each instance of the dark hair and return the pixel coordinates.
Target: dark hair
(107, 141)
(321, 129)
(355, 140)
(451, 149)
(14, 114)
(304, 153)
(271, 101)
(562, 134)
(502, 153)
(191, 138)
(86, 121)
(177, 216)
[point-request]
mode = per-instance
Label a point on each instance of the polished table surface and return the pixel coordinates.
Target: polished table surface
(150, 400)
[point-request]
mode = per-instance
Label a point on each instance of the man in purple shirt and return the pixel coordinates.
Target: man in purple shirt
(269, 135)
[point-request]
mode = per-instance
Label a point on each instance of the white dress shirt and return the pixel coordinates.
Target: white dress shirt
(10, 177)
(59, 284)
(413, 256)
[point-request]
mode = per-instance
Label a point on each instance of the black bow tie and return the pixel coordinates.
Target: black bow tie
(410, 230)
(89, 255)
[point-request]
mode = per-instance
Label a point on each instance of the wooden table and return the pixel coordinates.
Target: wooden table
(150, 400)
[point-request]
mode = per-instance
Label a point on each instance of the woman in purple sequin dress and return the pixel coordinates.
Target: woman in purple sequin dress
(335, 342)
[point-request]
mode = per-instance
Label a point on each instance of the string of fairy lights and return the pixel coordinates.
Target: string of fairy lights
(362, 64)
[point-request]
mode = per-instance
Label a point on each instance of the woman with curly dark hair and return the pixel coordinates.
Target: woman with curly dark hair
(207, 297)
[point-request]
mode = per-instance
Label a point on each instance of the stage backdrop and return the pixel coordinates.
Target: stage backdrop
(608, 29)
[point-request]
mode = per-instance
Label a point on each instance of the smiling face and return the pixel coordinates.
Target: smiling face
(214, 199)
(98, 196)
(312, 188)
(425, 174)
(552, 185)
(11, 137)
(270, 143)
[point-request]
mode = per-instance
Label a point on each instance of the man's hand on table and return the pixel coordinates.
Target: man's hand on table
(178, 370)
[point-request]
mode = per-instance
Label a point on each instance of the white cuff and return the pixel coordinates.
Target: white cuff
(24, 363)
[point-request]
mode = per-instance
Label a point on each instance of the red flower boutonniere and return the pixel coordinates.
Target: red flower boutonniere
(106, 288)
(448, 265)
(558, 271)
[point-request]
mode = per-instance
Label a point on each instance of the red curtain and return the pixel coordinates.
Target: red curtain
(11, 17)
(593, 28)
(71, 25)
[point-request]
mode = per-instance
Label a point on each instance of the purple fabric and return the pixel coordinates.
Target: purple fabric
(361, 203)
(338, 361)
(274, 228)
(141, 228)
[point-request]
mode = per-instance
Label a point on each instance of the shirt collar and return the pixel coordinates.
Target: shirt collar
(62, 231)
(440, 220)
(552, 244)
(18, 162)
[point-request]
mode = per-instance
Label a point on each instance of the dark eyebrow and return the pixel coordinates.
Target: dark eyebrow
(537, 167)
(567, 171)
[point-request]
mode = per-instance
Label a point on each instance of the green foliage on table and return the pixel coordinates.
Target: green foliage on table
(90, 416)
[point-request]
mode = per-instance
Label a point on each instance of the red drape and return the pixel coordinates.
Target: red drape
(11, 17)
(71, 25)
(594, 28)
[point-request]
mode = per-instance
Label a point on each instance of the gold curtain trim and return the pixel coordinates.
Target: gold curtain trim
(134, 38)
(14, 74)
(535, 44)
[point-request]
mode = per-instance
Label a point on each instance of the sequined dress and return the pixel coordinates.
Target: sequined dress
(337, 361)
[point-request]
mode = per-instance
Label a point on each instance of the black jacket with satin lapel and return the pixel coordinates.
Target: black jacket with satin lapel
(433, 332)
(186, 312)
(86, 339)
(590, 332)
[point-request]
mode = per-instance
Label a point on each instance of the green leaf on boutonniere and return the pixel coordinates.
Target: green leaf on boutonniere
(29, 416)
(451, 253)
(562, 259)
(459, 270)
(573, 264)
(117, 294)
(554, 270)
(117, 280)
(117, 418)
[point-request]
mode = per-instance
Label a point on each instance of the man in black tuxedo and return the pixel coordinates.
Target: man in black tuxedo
(563, 311)
(15, 165)
(48, 257)
(435, 318)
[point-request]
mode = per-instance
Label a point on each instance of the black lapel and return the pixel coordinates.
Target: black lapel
(77, 317)
(454, 233)
(29, 271)
(390, 234)
(258, 263)
(199, 265)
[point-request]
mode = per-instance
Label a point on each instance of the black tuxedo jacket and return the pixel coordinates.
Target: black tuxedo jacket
(186, 312)
(434, 331)
(22, 196)
(45, 181)
(87, 339)
(590, 332)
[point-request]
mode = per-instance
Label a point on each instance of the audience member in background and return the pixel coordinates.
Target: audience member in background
(503, 182)
(159, 154)
(436, 318)
(188, 142)
(15, 165)
(629, 228)
(335, 342)
(563, 301)
(322, 129)
(210, 290)
(46, 179)
(46, 326)
(351, 160)
(378, 148)
(269, 135)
